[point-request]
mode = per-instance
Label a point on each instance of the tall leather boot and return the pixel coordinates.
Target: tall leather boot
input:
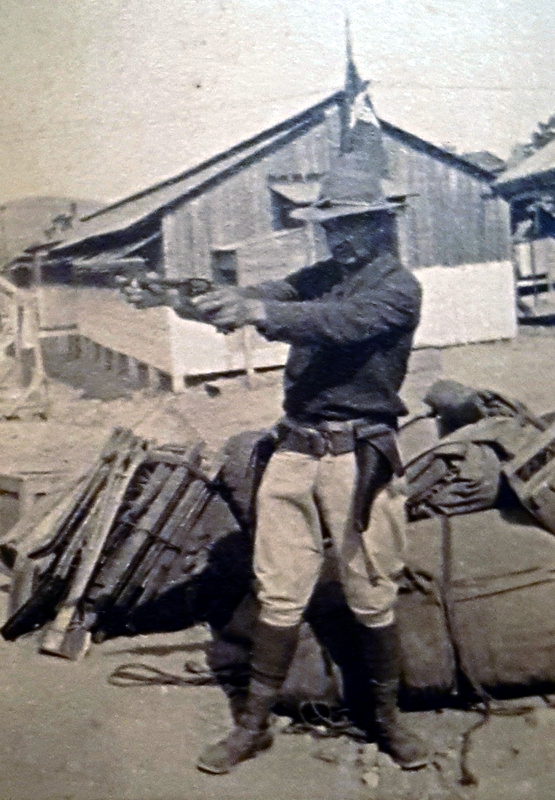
(381, 657)
(273, 651)
(230, 654)
(336, 628)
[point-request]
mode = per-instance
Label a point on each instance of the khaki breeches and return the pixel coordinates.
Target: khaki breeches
(302, 497)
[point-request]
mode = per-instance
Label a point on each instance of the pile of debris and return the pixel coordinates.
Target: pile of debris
(140, 522)
(151, 539)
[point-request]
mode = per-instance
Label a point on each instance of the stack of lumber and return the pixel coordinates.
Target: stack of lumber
(139, 523)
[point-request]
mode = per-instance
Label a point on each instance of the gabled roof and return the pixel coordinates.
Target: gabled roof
(434, 150)
(537, 168)
(137, 208)
(142, 207)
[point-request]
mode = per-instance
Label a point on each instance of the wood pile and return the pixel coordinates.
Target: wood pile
(139, 525)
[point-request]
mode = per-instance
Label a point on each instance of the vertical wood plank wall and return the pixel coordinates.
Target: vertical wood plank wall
(452, 219)
(239, 208)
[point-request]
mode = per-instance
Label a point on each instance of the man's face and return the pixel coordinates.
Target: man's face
(358, 238)
(343, 235)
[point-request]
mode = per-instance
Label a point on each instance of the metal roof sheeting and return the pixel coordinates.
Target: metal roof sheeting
(538, 164)
(137, 208)
(147, 205)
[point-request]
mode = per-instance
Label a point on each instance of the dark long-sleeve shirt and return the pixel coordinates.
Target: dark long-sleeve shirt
(350, 334)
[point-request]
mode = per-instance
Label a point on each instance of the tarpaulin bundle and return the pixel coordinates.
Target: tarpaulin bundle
(454, 478)
(481, 621)
(484, 443)
(456, 405)
(476, 612)
(502, 579)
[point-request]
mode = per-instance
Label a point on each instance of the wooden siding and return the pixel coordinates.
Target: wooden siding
(57, 306)
(238, 209)
(536, 257)
(105, 318)
(453, 219)
(274, 257)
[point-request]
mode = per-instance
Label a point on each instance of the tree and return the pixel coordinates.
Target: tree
(544, 133)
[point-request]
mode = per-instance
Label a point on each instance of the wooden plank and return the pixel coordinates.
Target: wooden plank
(119, 586)
(54, 639)
(149, 578)
(67, 635)
(410, 217)
(80, 500)
(25, 570)
(64, 547)
(122, 545)
(176, 243)
(152, 575)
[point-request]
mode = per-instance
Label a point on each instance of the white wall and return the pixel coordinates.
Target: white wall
(105, 318)
(158, 337)
(198, 349)
(472, 303)
(469, 303)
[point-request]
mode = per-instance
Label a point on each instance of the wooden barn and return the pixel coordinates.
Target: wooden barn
(227, 219)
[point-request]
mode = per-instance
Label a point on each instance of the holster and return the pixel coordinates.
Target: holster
(374, 471)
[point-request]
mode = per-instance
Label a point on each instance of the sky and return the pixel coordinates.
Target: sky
(101, 98)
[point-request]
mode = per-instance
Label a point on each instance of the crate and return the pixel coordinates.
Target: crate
(531, 474)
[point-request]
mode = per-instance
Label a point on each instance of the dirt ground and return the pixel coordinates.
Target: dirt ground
(67, 733)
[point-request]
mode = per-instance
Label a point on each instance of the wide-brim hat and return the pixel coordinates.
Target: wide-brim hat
(349, 188)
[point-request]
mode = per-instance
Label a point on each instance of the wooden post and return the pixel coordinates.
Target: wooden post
(177, 382)
(18, 343)
(133, 371)
(246, 347)
(153, 378)
(535, 233)
(122, 365)
(39, 377)
(33, 391)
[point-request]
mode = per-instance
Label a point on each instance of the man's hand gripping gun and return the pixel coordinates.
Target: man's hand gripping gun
(147, 289)
(224, 307)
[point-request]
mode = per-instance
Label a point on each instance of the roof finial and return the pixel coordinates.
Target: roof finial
(353, 82)
(348, 42)
(360, 127)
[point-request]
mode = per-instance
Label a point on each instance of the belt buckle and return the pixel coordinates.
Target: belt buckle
(318, 443)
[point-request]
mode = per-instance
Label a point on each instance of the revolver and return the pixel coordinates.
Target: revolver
(133, 277)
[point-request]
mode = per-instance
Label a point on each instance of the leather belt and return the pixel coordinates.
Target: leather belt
(314, 442)
(334, 438)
